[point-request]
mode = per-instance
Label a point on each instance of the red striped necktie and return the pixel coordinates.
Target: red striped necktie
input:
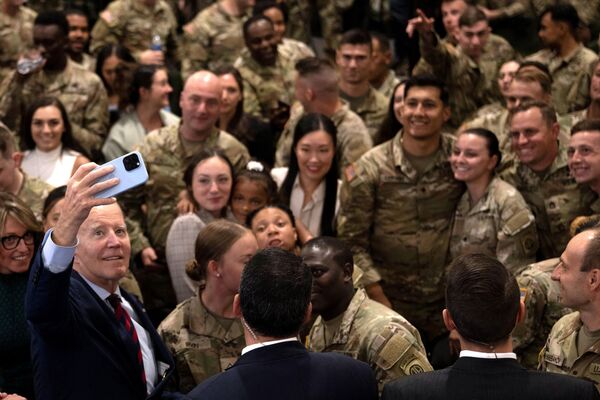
(125, 320)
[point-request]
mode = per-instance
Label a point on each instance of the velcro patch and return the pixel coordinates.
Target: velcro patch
(394, 350)
(517, 223)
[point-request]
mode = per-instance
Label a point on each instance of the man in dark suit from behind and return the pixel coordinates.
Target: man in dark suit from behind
(90, 339)
(483, 306)
(273, 302)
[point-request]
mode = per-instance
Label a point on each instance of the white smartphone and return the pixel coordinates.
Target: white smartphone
(131, 171)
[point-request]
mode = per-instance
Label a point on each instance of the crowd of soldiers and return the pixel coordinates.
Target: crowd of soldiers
(400, 204)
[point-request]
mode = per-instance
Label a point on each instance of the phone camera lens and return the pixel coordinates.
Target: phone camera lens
(131, 162)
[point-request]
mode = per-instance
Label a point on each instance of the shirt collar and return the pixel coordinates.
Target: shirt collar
(479, 354)
(265, 344)
(100, 291)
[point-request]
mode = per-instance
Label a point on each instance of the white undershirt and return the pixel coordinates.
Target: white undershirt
(479, 354)
(265, 344)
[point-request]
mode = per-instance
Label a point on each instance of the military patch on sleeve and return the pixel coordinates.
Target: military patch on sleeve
(395, 350)
(415, 369)
(350, 172)
(517, 223)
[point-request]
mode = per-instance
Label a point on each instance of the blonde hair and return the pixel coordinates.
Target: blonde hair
(11, 205)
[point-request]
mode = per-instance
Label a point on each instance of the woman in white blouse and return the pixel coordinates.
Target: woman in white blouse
(51, 153)
(310, 185)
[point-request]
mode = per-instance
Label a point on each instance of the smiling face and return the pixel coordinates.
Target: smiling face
(158, 95)
(102, 255)
(507, 72)
(533, 140)
(79, 33)
(315, 152)
(584, 157)
(273, 228)
(520, 91)
(248, 195)
(472, 39)
(109, 70)
(261, 41)
(470, 159)
(232, 94)
(451, 12)
(424, 113)
(211, 185)
(47, 128)
(200, 103)
(53, 215)
(354, 62)
(399, 101)
(16, 260)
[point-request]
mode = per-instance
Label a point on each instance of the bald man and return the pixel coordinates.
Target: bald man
(167, 151)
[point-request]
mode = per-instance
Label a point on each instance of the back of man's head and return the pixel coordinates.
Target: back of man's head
(482, 298)
(275, 293)
(319, 74)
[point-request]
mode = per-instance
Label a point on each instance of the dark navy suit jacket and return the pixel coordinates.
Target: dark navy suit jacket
(288, 371)
(79, 349)
(489, 379)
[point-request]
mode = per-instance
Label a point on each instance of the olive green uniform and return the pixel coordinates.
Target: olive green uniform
(372, 333)
(571, 77)
(388, 85)
(372, 109)
(213, 39)
(294, 50)
(500, 224)
(16, 35)
(542, 309)
(560, 355)
(353, 139)
(555, 199)
(202, 343)
(398, 223)
(34, 192)
(81, 92)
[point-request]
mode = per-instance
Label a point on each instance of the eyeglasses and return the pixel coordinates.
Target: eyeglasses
(12, 241)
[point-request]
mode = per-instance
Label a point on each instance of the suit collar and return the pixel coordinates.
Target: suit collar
(486, 366)
(273, 352)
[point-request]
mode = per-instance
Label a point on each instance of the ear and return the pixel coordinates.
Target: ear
(213, 268)
(309, 94)
(237, 309)
(492, 163)
(594, 279)
(348, 269)
(555, 130)
(521, 313)
(17, 157)
(448, 321)
(446, 112)
(144, 93)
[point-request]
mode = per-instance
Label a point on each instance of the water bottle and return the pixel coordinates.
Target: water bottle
(156, 44)
(25, 66)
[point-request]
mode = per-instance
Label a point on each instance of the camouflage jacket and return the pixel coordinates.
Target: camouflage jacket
(166, 159)
(542, 309)
(470, 85)
(560, 353)
(399, 223)
(34, 192)
(372, 110)
(133, 25)
(16, 35)
(294, 50)
(388, 85)
(266, 86)
(555, 199)
(373, 333)
(353, 139)
(213, 39)
(81, 91)
(201, 345)
(571, 77)
(500, 224)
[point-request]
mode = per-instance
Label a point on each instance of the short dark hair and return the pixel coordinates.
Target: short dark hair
(309, 123)
(482, 297)
(547, 111)
(251, 21)
(426, 80)
(104, 53)
(275, 292)
(340, 251)
(53, 17)
(471, 16)
(586, 125)
(76, 11)
(382, 39)
(356, 37)
(491, 141)
(591, 254)
(56, 194)
(563, 11)
(263, 6)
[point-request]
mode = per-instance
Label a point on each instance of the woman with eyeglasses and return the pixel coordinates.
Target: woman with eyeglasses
(19, 234)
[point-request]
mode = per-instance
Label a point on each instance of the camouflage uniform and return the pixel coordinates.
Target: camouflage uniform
(560, 353)
(81, 92)
(542, 309)
(400, 224)
(373, 333)
(201, 345)
(16, 35)
(388, 85)
(34, 192)
(555, 200)
(166, 158)
(572, 118)
(294, 50)
(571, 77)
(500, 224)
(372, 109)
(213, 39)
(470, 84)
(353, 139)
(133, 25)
(88, 62)
(265, 86)
(298, 24)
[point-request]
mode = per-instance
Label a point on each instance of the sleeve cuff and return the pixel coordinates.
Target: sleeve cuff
(56, 258)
